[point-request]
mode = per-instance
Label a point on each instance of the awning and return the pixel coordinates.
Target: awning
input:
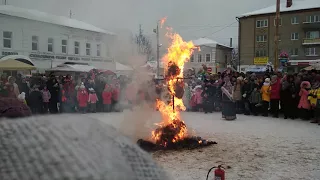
(72, 68)
(121, 67)
(12, 64)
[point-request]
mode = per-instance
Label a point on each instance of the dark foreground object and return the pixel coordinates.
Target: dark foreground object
(70, 147)
(186, 143)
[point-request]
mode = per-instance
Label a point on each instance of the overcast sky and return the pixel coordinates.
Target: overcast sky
(191, 18)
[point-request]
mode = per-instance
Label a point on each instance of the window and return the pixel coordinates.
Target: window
(311, 52)
(76, 47)
(7, 39)
(199, 58)
(98, 49)
(208, 58)
(64, 46)
(35, 41)
(262, 23)
(262, 38)
(50, 44)
(88, 49)
(280, 22)
(294, 20)
(312, 34)
(313, 19)
(192, 58)
(294, 52)
(294, 36)
(261, 53)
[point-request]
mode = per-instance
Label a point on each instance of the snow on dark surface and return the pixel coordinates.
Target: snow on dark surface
(256, 148)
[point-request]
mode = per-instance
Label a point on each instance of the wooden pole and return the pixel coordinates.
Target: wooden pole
(276, 37)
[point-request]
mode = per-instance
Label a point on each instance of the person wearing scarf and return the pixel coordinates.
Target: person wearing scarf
(228, 106)
(304, 104)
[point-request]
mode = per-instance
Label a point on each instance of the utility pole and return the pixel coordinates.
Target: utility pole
(276, 37)
(158, 52)
(5, 2)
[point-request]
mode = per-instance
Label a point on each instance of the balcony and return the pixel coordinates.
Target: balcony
(310, 25)
(315, 41)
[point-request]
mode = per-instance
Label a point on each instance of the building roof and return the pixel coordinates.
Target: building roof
(208, 42)
(49, 18)
(296, 6)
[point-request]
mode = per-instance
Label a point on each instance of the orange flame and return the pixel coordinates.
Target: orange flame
(162, 21)
(179, 52)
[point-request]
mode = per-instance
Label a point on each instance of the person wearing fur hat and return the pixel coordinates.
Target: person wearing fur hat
(265, 91)
(304, 104)
(93, 99)
(82, 97)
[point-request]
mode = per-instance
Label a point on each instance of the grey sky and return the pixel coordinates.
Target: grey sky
(191, 18)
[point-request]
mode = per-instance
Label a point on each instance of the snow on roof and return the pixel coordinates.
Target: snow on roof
(49, 18)
(296, 6)
(207, 42)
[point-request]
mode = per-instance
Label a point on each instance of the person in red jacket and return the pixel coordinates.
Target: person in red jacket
(82, 97)
(107, 97)
(275, 96)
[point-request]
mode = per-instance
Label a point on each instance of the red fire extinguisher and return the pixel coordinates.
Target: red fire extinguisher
(219, 173)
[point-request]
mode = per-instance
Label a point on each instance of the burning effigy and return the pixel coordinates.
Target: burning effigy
(172, 132)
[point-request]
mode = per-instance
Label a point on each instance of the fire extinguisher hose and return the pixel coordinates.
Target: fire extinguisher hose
(210, 171)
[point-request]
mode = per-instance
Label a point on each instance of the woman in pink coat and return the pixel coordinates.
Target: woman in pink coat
(82, 97)
(304, 104)
(198, 98)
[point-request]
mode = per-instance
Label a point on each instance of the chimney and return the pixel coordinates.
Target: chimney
(289, 3)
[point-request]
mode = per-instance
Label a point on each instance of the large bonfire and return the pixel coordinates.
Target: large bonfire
(172, 132)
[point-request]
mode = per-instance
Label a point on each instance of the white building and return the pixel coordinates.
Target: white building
(212, 54)
(50, 40)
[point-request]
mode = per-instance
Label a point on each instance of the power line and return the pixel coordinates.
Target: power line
(221, 29)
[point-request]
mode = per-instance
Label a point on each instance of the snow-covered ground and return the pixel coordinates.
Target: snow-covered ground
(254, 147)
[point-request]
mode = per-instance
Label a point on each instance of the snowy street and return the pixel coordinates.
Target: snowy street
(254, 147)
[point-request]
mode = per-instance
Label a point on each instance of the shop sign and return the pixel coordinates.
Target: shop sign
(261, 60)
(7, 53)
(74, 58)
(85, 59)
(42, 56)
(61, 57)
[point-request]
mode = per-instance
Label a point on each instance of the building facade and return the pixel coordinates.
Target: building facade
(210, 53)
(299, 29)
(50, 40)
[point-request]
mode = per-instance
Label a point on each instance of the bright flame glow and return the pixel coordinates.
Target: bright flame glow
(179, 52)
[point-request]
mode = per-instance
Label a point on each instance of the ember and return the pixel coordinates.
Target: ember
(172, 131)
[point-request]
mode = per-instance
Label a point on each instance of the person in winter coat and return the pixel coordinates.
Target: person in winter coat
(255, 100)
(45, 99)
(92, 100)
(237, 96)
(36, 101)
(12, 81)
(265, 91)
(288, 97)
(206, 101)
(187, 96)
(54, 88)
(275, 96)
(198, 98)
(82, 97)
(247, 88)
(115, 95)
(107, 98)
(304, 104)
